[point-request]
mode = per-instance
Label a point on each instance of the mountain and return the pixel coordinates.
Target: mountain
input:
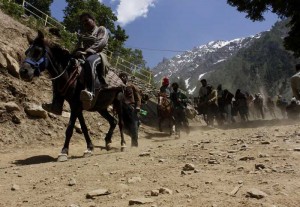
(257, 63)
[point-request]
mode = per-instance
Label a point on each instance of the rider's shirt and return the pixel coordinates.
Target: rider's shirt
(96, 40)
(165, 89)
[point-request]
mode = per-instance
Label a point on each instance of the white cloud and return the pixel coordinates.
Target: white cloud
(129, 10)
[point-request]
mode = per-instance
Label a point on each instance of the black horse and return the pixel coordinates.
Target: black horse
(43, 54)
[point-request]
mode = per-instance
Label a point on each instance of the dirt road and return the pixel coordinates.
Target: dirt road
(252, 165)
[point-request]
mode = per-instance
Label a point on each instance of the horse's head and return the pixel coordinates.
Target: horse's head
(43, 54)
(36, 58)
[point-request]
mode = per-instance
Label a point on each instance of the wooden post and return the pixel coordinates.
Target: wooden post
(117, 62)
(23, 3)
(150, 77)
(46, 20)
(134, 70)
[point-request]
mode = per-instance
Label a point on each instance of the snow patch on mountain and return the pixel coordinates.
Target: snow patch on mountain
(200, 60)
(187, 82)
(191, 91)
(201, 75)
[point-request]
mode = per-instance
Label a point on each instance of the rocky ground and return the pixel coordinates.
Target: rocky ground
(251, 165)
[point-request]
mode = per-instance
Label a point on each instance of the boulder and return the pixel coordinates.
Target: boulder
(255, 193)
(3, 61)
(35, 110)
(11, 106)
(12, 66)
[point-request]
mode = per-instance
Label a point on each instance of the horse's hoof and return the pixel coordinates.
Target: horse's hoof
(123, 147)
(108, 146)
(134, 144)
(62, 158)
(87, 153)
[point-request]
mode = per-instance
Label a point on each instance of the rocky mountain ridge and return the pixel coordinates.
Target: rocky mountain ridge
(211, 59)
(193, 64)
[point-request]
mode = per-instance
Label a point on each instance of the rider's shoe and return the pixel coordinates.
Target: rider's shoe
(86, 98)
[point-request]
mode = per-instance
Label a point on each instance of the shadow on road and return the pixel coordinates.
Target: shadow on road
(35, 160)
(258, 124)
(156, 134)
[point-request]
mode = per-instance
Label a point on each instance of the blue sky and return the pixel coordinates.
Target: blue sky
(161, 27)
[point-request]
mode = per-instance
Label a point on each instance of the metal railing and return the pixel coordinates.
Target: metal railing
(123, 65)
(116, 61)
(29, 8)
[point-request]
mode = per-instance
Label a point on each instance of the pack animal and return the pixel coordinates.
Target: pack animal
(44, 55)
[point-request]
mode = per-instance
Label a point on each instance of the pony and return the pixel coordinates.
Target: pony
(165, 111)
(43, 54)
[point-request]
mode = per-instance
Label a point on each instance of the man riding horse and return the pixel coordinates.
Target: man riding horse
(164, 106)
(65, 74)
(164, 90)
(92, 47)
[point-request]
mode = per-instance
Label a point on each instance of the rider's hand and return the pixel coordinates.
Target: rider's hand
(90, 51)
(80, 53)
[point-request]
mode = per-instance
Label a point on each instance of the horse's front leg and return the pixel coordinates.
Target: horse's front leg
(112, 125)
(69, 132)
(89, 144)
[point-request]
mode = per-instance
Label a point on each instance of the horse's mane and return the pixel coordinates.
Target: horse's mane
(61, 54)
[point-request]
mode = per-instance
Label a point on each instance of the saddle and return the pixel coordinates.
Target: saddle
(77, 74)
(113, 82)
(164, 108)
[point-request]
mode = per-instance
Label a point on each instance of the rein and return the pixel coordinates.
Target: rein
(72, 78)
(58, 76)
(47, 60)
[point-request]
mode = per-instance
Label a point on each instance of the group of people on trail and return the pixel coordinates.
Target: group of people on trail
(223, 106)
(178, 103)
(214, 104)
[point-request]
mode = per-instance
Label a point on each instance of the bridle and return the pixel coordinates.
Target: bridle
(42, 63)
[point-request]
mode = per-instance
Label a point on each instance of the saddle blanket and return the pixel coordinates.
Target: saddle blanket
(113, 80)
